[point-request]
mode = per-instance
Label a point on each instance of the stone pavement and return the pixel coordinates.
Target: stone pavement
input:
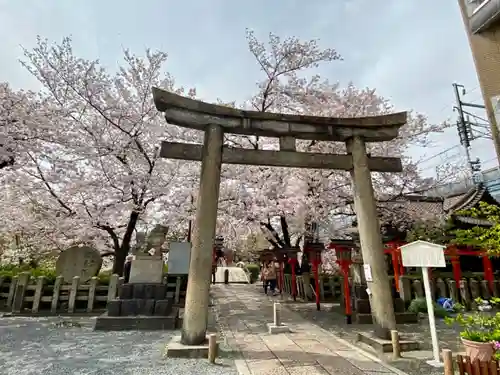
(243, 311)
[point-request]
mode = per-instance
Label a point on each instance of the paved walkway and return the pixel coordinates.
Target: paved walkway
(243, 313)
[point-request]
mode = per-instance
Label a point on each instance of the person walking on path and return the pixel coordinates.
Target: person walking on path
(263, 275)
(270, 277)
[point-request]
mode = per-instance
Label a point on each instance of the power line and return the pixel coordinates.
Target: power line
(439, 154)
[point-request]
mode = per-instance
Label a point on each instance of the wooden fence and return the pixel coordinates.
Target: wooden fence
(24, 292)
(464, 366)
(329, 287)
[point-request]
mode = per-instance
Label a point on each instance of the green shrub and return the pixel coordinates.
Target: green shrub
(419, 305)
(254, 270)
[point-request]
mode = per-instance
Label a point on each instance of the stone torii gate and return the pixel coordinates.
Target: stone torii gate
(215, 120)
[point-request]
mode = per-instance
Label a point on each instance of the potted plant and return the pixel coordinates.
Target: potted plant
(480, 332)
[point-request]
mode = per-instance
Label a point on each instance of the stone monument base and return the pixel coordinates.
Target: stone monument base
(385, 346)
(140, 307)
(147, 269)
(362, 309)
(175, 349)
(273, 329)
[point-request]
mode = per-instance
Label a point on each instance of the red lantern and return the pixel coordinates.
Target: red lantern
(344, 260)
(313, 251)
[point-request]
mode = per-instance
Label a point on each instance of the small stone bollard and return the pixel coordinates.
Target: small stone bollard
(226, 277)
(277, 326)
(212, 347)
(277, 314)
(396, 348)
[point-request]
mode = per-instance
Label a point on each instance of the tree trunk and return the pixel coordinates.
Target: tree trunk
(119, 262)
(122, 252)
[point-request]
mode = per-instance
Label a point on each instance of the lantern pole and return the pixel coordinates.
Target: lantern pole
(343, 255)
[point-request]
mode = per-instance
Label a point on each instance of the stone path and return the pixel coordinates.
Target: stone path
(236, 275)
(243, 313)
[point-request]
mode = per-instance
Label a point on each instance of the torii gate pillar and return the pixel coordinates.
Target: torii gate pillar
(371, 240)
(195, 320)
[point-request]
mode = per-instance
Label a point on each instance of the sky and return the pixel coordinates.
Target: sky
(411, 51)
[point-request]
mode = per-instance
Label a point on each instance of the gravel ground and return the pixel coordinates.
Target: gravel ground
(60, 346)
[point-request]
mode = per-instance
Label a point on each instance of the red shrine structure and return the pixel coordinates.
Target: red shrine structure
(460, 259)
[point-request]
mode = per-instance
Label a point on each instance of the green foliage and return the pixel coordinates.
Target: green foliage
(431, 231)
(487, 238)
(478, 327)
(254, 270)
(419, 305)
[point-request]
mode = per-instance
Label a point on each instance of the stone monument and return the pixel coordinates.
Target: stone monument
(147, 267)
(82, 261)
(144, 303)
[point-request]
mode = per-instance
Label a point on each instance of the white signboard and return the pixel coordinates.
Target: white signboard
(368, 272)
(423, 254)
(426, 254)
(179, 256)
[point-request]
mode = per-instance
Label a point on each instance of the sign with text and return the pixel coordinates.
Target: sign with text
(179, 256)
(423, 254)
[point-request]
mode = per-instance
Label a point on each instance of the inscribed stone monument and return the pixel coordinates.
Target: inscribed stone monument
(82, 261)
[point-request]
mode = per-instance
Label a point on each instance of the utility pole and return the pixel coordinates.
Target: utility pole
(465, 132)
(484, 50)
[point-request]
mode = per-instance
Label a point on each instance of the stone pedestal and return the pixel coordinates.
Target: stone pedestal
(147, 269)
(140, 307)
(362, 308)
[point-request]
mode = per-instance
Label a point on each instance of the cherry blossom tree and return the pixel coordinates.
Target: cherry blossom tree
(96, 172)
(284, 200)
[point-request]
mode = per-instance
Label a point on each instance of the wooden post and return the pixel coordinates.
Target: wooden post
(112, 287)
(447, 361)
(488, 271)
(91, 297)
(396, 348)
(55, 294)
(12, 291)
(20, 291)
(73, 292)
(395, 265)
(455, 263)
(38, 294)
(212, 347)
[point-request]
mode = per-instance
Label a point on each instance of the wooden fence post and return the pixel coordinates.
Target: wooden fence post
(447, 361)
(73, 293)
(92, 289)
(55, 294)
(12, 291)
(20, 291)
(113, 287)
(40, 283)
